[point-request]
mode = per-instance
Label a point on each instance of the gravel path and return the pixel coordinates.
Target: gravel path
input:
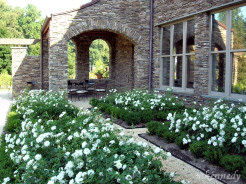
(5, 103)
(183, 170)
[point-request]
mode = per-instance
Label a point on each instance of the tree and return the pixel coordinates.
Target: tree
(18, 23)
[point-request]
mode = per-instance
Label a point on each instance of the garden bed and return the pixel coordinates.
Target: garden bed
(206, 167)
(136, 108)
(47, 140)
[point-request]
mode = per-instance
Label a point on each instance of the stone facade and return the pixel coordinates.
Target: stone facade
(24, 69)
(125, 26)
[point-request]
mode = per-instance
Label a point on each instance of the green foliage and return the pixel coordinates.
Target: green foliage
(213, 154)
(18, 23)
(94, 102)
(5, 80)
(99, 58)
(82, 143)
(232, 162)
(13, 122)
(170, 137)
(179, 141)
(7, 167)
(243, 173)
(152, 127)
(198, 148)
(132, 118)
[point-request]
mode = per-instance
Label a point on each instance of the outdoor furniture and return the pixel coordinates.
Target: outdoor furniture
(81, 93)
(72, 93)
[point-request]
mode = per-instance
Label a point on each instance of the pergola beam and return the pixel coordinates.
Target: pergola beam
(17, 41)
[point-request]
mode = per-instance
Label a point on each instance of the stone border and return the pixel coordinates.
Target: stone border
(186, 156)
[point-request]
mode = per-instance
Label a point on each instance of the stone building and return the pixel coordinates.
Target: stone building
(153, 45)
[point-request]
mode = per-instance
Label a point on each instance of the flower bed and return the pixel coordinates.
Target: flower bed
(217, 133)
(138, 106)
(49, 141)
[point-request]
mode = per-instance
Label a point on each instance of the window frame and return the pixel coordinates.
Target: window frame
(228, 60)
(183, 88)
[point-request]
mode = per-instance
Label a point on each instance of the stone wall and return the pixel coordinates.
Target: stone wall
(128, 19)
(24, 69)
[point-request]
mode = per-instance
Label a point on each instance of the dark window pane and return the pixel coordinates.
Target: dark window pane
(165, 71)
(178, 71)
(239, 73)
(218, 72)
(178, 39)
(166, 41)
(219, 31)
(190, 71)
(190, 47)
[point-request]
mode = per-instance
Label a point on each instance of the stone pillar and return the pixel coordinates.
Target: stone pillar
(82, 61)
(202, 44)
(58, 60)
(18, 55)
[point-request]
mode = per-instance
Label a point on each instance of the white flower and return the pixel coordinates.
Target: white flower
(169, 154)
(53, 128)
(118, 164)
(46, 143)
(5, 180)
(128, 177)
(157, 150)
(87, 151)
(62, 114)
(244, 142)
(38, 157)
(26, 157)
(234, 139)
(84, 144)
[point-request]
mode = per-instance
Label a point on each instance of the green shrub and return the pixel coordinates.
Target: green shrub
(213, 154)
(13, 122)
(5, 80)
(179, 141)
(169, 137)
(132, 118)
(198, 148)
(162, 129)
(152, 126)
(160, 116)
(6, 164)
(232, 162)
(94, 102)
(243, 173)
(116, 112)
(146, 116)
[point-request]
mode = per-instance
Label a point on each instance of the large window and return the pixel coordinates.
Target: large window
(178, 56)
(228, 53)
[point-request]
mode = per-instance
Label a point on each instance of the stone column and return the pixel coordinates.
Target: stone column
(201, 72)
(18, 56)
(58, 66)
(82, 61)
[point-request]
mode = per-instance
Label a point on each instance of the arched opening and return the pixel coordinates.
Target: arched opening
(102, 58)
(99, 58)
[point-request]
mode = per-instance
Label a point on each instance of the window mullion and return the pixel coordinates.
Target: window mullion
(228, 73)
(184, 60)
(161, 59)
(171, 79)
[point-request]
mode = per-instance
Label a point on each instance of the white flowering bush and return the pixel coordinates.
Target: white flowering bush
(138, 106)
(55, 146)
(218, 133)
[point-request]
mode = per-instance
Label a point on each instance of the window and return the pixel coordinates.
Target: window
(228, 53)
(178, 56)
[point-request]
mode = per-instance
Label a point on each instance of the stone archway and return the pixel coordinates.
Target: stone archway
(121, 65)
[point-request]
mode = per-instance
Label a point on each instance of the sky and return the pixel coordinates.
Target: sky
(49, 6)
